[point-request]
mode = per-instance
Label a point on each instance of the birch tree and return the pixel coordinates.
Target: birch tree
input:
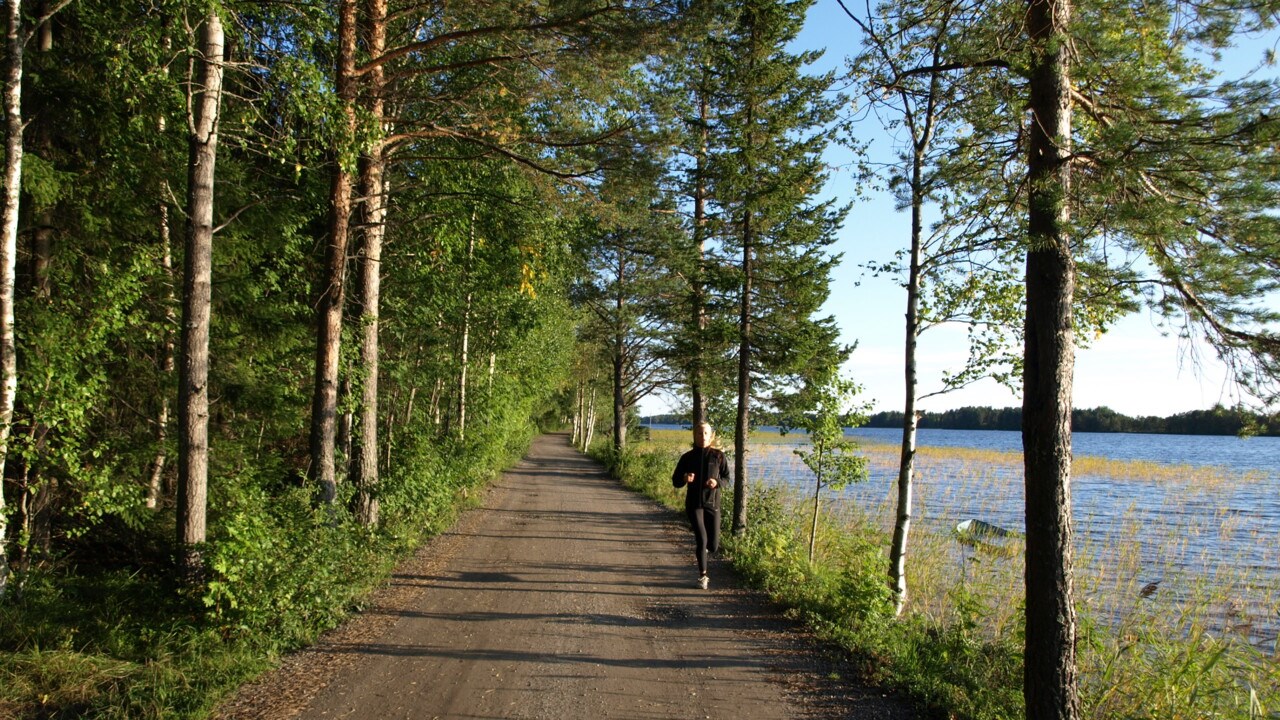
(17, 34)
(915, 65)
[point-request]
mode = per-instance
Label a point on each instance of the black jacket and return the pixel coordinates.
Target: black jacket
(704, 463)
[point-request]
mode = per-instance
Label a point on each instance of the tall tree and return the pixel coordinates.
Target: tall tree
(1050, 687)
(17, 34)
(683, 90)
(14, 43)
(916, 66)
(624, 282)
(332, 292)
(374, 187)
(193, 380)
(770, 131)
(469, 79)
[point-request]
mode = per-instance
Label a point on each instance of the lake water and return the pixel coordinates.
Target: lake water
(1211, 517)
(1256, 453)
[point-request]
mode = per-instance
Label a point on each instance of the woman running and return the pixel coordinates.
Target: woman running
(701, 471)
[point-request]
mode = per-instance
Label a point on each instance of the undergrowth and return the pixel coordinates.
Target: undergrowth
(120, 639)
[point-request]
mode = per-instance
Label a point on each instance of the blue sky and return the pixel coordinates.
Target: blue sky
(1136, 368)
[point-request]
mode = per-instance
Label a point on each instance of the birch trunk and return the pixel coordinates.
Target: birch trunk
(324, 403)
(155, 476)
(910, 420)
(9, 248)
(374, 184)
(193, 383)
(1049, 685)
(579, 401)
(591, 419)
(817, 504)
(164, 231)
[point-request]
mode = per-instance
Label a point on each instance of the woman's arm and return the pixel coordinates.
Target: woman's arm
(677, 476)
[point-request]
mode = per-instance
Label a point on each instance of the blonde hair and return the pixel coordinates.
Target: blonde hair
(709, 437)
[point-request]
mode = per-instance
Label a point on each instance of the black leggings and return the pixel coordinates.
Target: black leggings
(706, 533)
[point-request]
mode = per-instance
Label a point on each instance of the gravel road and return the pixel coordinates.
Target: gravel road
(563, 596)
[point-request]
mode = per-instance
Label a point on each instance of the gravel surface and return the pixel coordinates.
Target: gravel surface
(563, 596)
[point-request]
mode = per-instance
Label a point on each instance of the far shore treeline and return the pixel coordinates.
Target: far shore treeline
(1217, 420)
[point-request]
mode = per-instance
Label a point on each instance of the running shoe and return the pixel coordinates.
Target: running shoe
(703, 581)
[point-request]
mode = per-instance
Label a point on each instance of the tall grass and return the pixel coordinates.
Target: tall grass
(1176, 621)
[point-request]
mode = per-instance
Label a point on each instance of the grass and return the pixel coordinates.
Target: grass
(1201, 644)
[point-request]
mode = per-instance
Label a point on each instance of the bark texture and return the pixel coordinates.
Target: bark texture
(910, 420)
(374, 184)
(699, 277)
(742, 424)
(1050, 685)
(324, 401)
(9, 248)
(193, 383)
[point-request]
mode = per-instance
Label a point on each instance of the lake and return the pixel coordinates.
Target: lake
(1256, 453)
(1188, 511)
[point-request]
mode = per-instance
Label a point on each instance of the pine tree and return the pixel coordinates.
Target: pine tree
(770, 128)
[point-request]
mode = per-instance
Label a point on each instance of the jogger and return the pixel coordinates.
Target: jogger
(700, 472)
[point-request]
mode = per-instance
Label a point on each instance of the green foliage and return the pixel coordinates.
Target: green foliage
(830, 454)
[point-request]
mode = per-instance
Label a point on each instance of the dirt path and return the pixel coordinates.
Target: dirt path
(563, 596)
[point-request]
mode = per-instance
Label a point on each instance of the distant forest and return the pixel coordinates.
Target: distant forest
(1215, 421)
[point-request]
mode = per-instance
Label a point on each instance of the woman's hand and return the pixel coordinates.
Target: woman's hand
(688, 478)
(713, 483)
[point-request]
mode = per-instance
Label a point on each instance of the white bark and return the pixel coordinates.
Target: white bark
(9, 248)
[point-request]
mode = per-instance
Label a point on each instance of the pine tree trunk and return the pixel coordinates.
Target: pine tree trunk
(699, 278)
(910, 420)
(375, 187)
(193, 387)
(1050, 685)
(742, 425)
(324, 403)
